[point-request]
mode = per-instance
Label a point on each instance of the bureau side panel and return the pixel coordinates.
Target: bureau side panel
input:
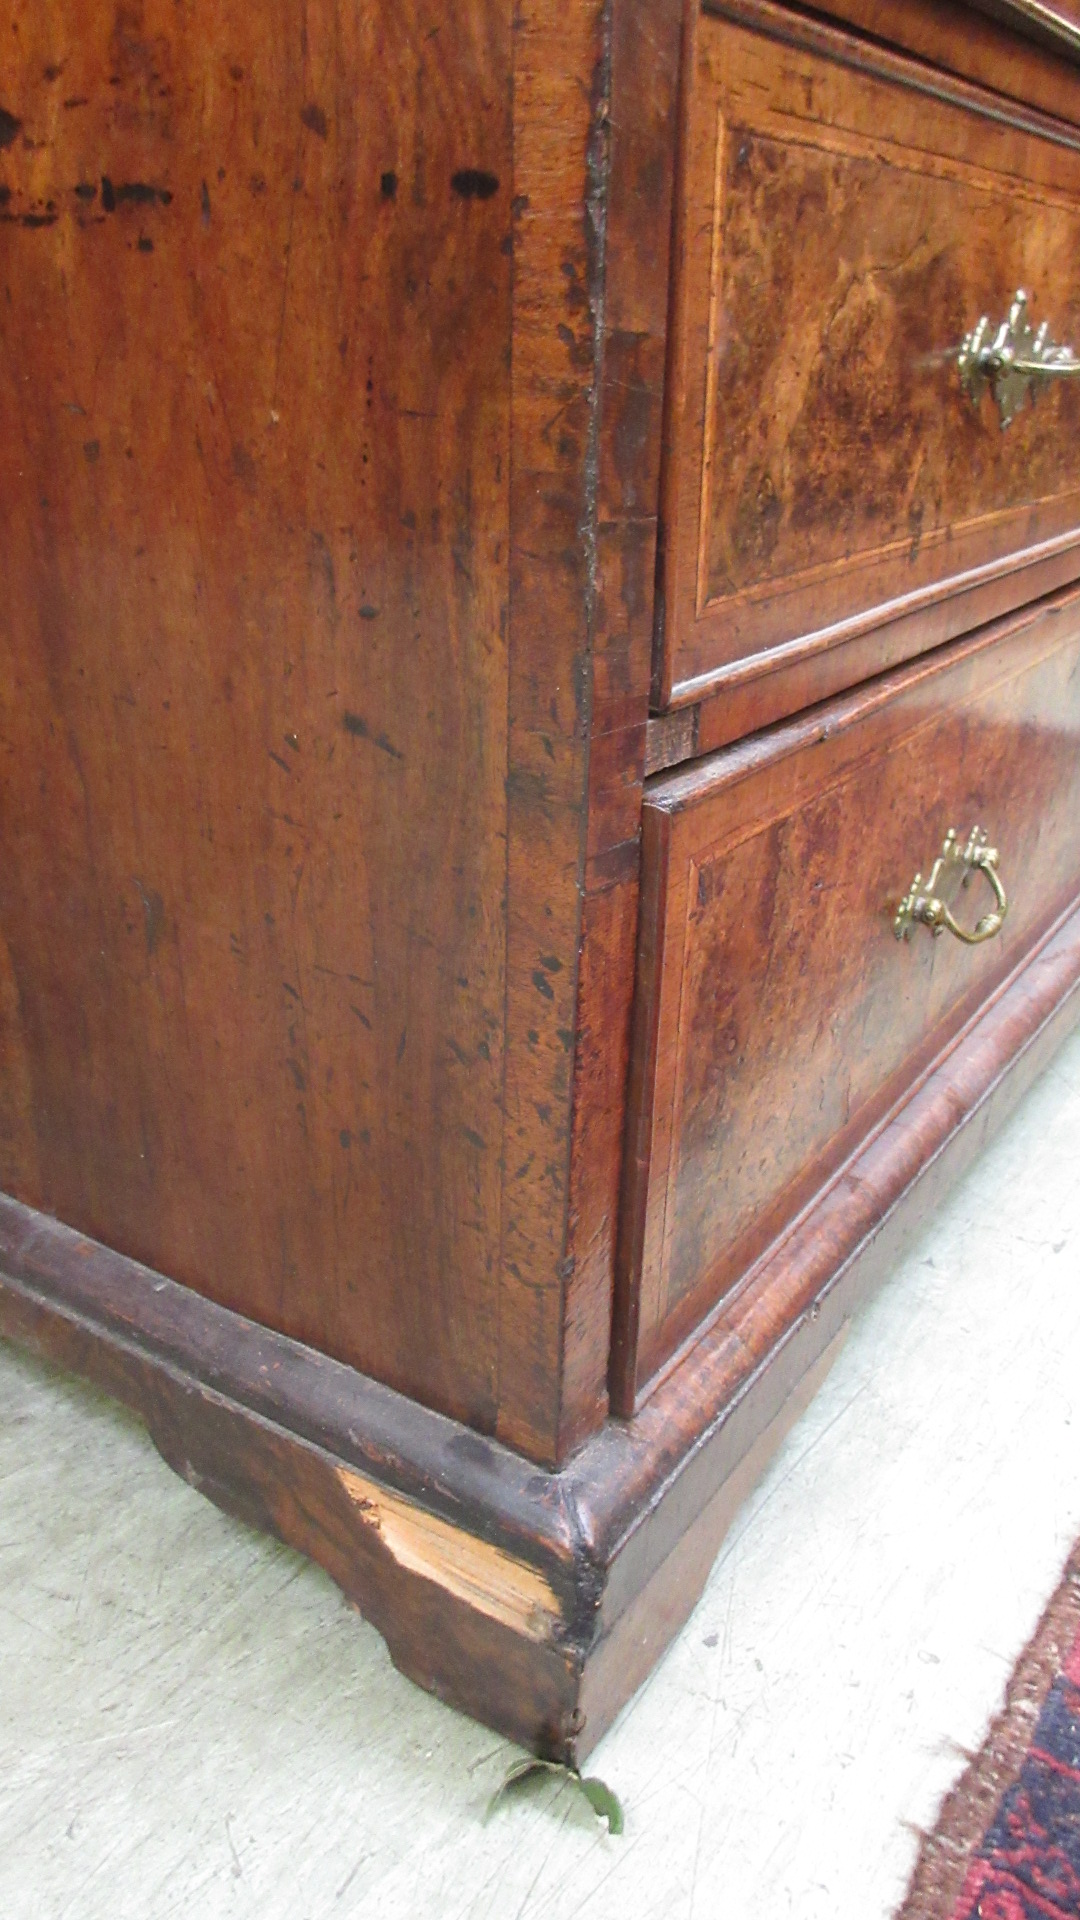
(254, 472)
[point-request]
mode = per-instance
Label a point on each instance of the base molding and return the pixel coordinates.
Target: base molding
(535, 1601)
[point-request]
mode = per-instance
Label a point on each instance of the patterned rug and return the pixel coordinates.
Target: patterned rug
(1007, 1842)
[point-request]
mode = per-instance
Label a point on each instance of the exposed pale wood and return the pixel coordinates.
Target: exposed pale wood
(485, 1577)
(671, 737)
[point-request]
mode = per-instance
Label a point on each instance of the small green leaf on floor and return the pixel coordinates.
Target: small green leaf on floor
(524, 1773)
(605, 1804)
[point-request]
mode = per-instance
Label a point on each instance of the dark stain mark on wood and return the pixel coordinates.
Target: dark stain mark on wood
(9, 128)
(278, 761)
(38, 220)
(134, 193)
(204, 202)
(77, 100)
(355, 724)
(473, 184)
(244, 467)
(5, 196)
(84, 191)
(543, 985)
(145, 245)
(92, 450)
(316, 121)
(153, 907)
(369, 613)
(388, 185)
(400, 1055)
(53, 73)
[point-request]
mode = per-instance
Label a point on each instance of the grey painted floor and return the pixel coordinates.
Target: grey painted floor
(193, 1723)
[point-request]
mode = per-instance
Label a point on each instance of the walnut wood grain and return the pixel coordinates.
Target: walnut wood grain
(536, 1601)
(330, 386)
(778, 1019)
(636, 164)
(255, 659)
(847, 217)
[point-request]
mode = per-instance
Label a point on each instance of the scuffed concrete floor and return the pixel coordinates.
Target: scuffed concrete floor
(193, 1722)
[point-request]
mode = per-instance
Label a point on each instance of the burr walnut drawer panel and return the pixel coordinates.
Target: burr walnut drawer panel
(848, 217)
(779, 1018)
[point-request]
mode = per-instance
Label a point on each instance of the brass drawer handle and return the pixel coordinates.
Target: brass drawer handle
(1012, 360)
(921, 903)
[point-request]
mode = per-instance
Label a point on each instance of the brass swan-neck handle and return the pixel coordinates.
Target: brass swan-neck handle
(1012, 360)
(923, 906)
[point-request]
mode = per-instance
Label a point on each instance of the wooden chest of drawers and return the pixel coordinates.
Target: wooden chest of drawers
(540, 792)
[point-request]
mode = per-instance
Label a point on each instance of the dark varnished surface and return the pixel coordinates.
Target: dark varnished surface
(329, 524)
(778, 1018)
(255, 660)
(846, 222)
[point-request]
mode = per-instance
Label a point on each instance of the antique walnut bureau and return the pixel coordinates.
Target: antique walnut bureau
(539, 749)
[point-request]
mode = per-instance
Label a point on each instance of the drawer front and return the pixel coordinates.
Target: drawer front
(1025, 48)
(848, 217)
(1053, 23)
(779, 1019)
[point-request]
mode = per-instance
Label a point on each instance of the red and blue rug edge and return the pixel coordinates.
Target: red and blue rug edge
(1007, 1838)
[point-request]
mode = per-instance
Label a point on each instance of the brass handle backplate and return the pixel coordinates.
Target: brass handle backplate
(1012, 360)
(923, 906)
